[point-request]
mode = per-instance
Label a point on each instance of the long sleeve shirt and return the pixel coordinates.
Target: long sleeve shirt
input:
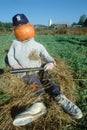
(28, 53)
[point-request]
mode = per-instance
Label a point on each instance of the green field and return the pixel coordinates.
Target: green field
(73, 50)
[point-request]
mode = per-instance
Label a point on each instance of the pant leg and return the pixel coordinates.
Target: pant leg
(34, 82)
(51, 87)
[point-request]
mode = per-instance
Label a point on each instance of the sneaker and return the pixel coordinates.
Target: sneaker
(69, 106)
(31, 114)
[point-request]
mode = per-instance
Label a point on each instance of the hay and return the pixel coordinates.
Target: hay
(21, 96)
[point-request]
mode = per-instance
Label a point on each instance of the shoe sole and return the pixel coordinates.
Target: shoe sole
(26, 117)
(79, 116)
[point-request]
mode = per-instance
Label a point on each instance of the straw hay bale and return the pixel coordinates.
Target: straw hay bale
(21, 96)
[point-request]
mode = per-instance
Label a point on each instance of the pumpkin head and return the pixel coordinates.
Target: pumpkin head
(24, 31)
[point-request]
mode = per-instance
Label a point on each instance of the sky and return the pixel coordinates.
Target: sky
(40, 11)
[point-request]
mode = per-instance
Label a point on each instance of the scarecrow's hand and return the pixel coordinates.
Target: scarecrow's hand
(49, 66)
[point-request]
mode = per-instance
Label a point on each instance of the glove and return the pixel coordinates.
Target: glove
(49, 66)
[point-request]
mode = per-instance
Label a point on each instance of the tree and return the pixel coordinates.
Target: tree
(74, 23)
(5, 26)
(85, 23)
(82, 19)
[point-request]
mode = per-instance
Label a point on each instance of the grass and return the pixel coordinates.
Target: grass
(72, 49)
(5, 42)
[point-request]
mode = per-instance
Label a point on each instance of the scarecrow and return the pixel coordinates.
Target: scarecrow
(24, 53)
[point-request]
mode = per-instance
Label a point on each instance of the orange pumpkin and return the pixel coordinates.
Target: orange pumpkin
(24, 31)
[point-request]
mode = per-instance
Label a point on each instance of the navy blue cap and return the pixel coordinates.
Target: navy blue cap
(19, 19)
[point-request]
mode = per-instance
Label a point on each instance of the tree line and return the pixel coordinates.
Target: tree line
(4, 26)
(7, 26)
(82, 21)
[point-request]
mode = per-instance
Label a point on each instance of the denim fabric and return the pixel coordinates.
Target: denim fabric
(43, 78)
(51, 87)
(29, 79)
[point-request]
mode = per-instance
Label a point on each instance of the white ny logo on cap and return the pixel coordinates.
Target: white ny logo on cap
(18, 17)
